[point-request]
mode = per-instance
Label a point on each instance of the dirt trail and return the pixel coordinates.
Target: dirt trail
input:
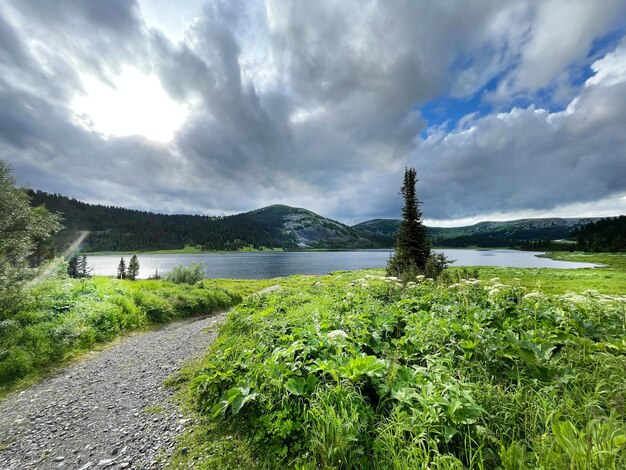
(110, 410)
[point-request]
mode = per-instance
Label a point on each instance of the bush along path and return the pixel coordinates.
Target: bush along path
(110, 410)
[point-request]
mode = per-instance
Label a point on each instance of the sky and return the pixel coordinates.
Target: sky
(507, 109)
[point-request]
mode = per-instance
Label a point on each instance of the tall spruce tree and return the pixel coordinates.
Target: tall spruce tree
(133, 268)
(412, 243)
(121, 269)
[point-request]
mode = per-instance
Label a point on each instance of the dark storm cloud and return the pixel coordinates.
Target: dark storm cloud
(317, 104)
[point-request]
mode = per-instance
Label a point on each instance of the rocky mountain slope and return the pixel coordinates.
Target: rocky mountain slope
(310, 230)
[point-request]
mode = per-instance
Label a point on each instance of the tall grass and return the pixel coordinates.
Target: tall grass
(364, 372)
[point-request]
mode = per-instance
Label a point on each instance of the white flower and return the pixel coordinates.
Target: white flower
(533, 295)
(336, 335)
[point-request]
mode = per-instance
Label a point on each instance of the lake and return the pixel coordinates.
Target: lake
(267, 265)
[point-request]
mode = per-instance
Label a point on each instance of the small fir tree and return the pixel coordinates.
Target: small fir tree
(72, 266)
(121, 269)
(82, 267)
(133, 268)
(412, 243)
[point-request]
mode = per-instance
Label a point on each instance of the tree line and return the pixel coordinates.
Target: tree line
(608, 234)
(118, 229)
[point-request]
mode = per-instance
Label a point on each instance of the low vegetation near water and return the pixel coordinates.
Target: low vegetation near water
(358, 371)
(59, 316)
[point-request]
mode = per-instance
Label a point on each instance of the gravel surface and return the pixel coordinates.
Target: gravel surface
(109, 410)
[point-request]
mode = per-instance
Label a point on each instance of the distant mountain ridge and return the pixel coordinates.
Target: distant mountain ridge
(276, 226)
(514, 233)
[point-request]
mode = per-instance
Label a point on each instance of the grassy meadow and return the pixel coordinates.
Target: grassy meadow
(609, 279)
(355, 370)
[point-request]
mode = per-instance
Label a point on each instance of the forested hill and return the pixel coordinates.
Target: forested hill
(603, 235)
(118, 229)
(523, 233)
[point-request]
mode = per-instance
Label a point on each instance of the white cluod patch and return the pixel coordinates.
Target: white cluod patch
(135, 105)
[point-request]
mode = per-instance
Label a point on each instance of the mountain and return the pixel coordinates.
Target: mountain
(119, 229)
(308, 229)
(381, 227)
(515, 233)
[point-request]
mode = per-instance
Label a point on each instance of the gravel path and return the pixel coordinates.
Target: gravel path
(110, 410)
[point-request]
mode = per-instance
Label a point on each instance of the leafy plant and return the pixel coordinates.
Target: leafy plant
(358, 370)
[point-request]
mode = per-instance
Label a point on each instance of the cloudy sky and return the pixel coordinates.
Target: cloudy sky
(507, 109)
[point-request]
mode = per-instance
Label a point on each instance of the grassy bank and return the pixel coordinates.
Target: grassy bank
(61, 317)
(609, 279)
(187, 250)
(357, 371)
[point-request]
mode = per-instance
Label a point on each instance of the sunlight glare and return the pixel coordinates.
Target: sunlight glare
(137, 105)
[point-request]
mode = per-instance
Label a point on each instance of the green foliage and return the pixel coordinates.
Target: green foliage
(61, 316)
(24, 234)
(189, 274)
(365, 372)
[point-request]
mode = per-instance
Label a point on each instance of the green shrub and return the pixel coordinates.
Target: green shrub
(186, 274)
(370, 373)
(157, 309)
(104, 318)
(14, 364)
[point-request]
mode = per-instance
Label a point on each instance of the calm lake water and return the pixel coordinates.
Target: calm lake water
(278, 264)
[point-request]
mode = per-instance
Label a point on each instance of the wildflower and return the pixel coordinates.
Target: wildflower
(337, 335)
(533, 295)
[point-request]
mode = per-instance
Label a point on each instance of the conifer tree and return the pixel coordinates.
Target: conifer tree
(72, 266)
(133, 268)
(121, 269)
(81, 267)
(412, 243)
